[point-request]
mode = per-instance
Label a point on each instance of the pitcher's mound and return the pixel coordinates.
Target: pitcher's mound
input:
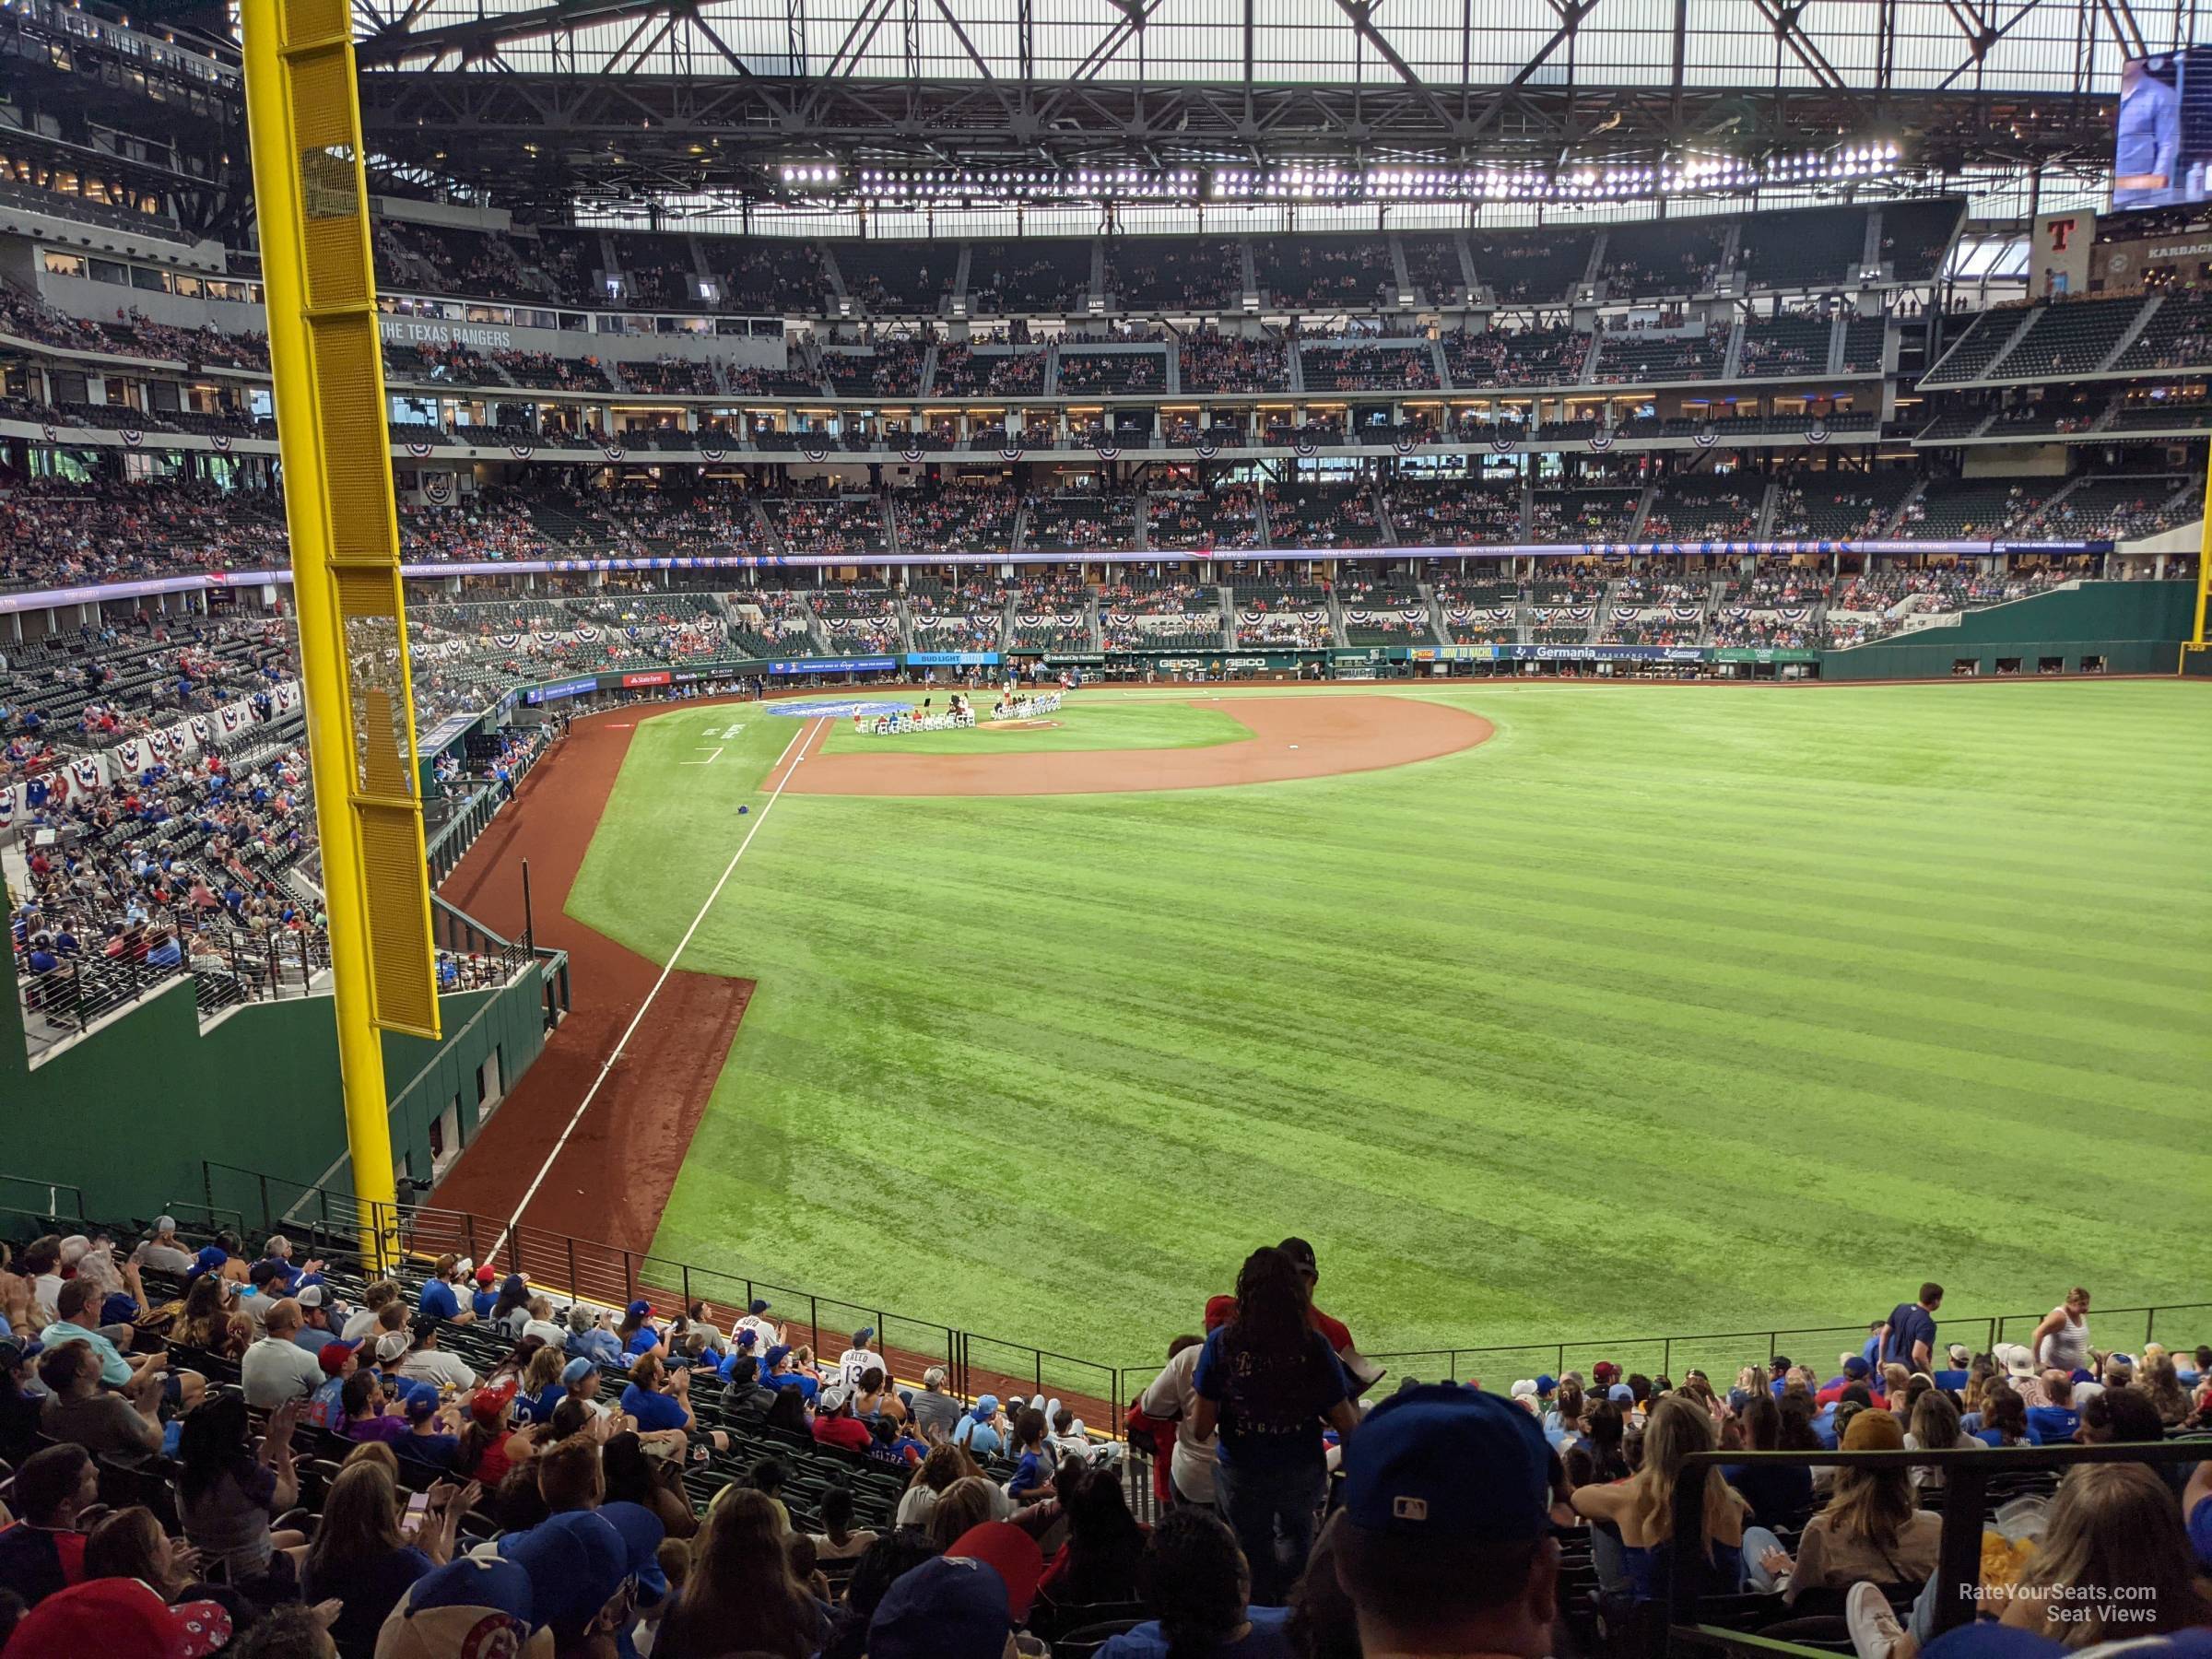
(1016, 725)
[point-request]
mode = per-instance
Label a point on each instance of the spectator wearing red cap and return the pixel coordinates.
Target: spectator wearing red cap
(337, 1361)
(119, 1618)
(484, 1291)
(487, 1447)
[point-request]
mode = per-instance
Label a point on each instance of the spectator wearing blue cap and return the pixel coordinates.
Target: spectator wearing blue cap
(780, 1369)
(1855, 1369)
(581, 1586)
(20, 1398)
(1444, 1543)
(740, 1367)
(859, 1360)
(1266, 1382)
(473, 1607)
(637, 1333)
(979, 1430)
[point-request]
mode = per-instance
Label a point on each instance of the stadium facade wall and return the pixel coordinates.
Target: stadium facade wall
(130, 1111)
(2133, 627)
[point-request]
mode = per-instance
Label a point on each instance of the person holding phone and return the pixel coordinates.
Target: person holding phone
(368, 1550)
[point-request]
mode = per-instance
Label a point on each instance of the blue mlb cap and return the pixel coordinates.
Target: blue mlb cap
(951, 1607)
(1856, 1366)
(576, 1370)
(576, 1563)
(640, 1528)
(758, 1307)
(1441, 1461)
(748, 1338)
(1546, 1383)
(776, 1356)
(477, 1605)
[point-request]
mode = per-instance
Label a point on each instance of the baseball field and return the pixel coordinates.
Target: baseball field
(1629, 1009)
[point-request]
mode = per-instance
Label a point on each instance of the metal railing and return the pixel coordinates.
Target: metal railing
(229, 967)
(1721, 1353)
(611, 1276)
(468, 819)
(1972, 1478)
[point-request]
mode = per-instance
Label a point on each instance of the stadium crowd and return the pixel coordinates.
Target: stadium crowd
(271, 1455)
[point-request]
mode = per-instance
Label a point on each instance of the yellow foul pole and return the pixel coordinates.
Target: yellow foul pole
(2203, 554)
(311, 195)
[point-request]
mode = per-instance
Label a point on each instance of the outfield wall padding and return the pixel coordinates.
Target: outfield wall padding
(129, 1111)
(2136, 627)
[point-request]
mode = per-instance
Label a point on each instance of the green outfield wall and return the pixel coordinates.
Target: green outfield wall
(129, 1111)
(2099, 627)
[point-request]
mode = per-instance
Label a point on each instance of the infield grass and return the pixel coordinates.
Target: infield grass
(1669, 1009)
(1081, 724)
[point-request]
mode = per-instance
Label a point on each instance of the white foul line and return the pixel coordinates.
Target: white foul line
(592, 1093)
(707, 762)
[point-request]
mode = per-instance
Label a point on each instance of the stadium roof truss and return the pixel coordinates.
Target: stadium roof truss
(636, 100)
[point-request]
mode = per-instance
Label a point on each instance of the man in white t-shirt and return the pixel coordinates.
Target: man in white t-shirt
(429, 1363)
(765, 1335)
(278, 1369)
(1173, 1396)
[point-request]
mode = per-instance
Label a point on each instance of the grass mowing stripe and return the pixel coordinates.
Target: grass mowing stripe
(1650, 984)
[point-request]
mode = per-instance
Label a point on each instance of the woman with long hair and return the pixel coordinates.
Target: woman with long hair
(741, 1596)
(2162, 1383)
(1934, 1428)
(512, 1309)
(2114, 1562)
(133, 1544)
(967, 1502)
(361, 1558)
(630, 1478)
(2004, 1417)
(232, 1491)
(207, 1323)
(1196, 1581)
(944, 1463)
(1871, 1529)
(1104, 1555)
(1266, 1382)
(1780, 1495)
(1603, 1447)
(788, 1412)
(1643, 1506)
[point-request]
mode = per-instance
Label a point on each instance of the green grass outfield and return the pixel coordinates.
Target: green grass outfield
(1669, 1009)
